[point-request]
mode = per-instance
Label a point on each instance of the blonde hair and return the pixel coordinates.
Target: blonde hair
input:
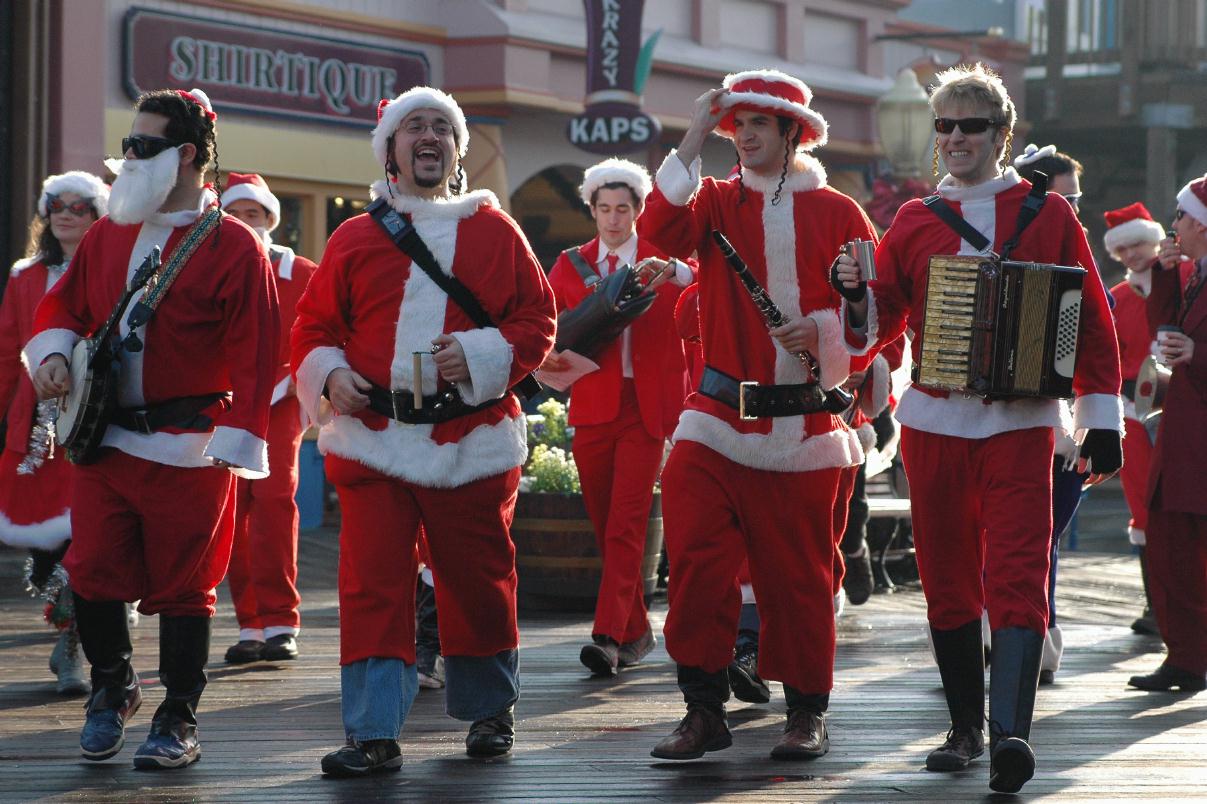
(978, 85)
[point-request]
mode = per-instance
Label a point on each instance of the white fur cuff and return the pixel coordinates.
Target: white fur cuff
(850, 334)
(488, 355)
(832, 354)
(45, 535)
(1136, 536)
(312, 378)
(246, 452)
(876, 398)
(46, 343)
(1098, 412)
(677, 182)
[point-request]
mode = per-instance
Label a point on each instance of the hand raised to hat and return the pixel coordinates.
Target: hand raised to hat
(705, 116)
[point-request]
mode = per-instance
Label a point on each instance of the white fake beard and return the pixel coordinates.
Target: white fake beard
(264, 234)
(142, 185)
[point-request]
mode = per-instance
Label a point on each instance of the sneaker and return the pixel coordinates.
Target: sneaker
(104, 731)
(170, 745)
(744, 677)
(963, 744)
(631, 653)
(361, 759)
(601, 657)
(73, 679)
(1146, 624)
(281, 648)
(431, 671)
(491, 736)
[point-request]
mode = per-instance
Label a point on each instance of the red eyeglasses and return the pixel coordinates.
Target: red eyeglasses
(78, 208)
(969, 125)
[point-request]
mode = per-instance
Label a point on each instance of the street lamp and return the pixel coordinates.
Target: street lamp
(905, 124)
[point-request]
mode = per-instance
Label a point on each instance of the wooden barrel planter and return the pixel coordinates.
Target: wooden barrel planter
(557, 561)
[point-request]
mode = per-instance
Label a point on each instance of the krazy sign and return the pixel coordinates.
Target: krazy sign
(617, 68)
(249, 69)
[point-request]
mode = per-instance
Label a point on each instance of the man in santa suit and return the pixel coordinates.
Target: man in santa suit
(622, 413)
(980, 470)
(264, 560)
(1132, 237)
(152, 518)
(439, 447)
(1177, 507)
(763, 486)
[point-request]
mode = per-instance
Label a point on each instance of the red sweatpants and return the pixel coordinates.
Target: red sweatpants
(473, 562)
(982, 517)
(1137, 456)
(715, 511)
(146, 531)
(1177, 577)
(617, 464)
(264, 560)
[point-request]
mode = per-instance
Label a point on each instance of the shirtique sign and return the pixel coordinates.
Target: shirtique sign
(257, 70)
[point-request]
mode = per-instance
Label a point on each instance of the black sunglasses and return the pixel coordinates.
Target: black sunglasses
(1177, 216)
(145, 147)
(969, 125)
(78, 208)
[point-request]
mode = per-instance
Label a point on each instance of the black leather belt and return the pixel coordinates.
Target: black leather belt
(183, 413)
(399, 405)
(754, 401)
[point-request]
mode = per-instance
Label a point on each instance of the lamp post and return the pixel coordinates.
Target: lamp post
(904, 124)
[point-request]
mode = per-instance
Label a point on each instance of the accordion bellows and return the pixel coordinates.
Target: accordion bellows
(1000, 329)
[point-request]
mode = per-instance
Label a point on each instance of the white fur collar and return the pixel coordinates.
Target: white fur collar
(1141, 282)
(951, 190)
(809, 175)
(457, 207)
(183, 217)
(21, 265)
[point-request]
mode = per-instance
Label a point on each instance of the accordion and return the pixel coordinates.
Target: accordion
(1000, 328)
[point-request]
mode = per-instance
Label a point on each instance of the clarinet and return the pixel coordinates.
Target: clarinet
(838, 399)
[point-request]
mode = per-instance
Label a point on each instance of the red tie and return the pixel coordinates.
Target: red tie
(612, 260)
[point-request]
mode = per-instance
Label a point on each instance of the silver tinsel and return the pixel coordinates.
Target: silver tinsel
(41, 437)
(56, 592)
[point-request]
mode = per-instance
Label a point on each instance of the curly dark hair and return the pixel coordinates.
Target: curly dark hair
(187, 123)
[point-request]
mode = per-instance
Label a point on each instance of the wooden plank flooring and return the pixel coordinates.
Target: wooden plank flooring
(264, 728)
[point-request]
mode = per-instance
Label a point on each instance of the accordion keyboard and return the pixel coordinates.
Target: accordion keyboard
(948, 323)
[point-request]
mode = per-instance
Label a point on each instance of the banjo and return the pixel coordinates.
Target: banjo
(84, 411)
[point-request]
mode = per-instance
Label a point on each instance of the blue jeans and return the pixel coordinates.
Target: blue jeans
(376, 697)
(477, 687)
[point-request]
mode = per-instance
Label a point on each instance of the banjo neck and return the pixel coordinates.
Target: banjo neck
(143, 275)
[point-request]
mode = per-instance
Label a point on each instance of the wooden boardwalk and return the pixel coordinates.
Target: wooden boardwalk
(265, 727)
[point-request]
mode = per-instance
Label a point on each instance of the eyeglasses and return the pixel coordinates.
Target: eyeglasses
(145, 146)
(78, 208)
(969, 125)
(441, 128)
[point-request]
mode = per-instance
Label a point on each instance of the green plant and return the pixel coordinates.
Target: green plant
(551, 469)
(548, 426)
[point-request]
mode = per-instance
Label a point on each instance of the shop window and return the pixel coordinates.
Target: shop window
(289, 230)
(551, 214)
(340, 208)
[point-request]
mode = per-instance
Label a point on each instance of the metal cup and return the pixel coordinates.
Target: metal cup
(864, 253)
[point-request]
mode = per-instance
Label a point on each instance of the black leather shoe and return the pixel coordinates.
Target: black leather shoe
(701, 730)
(361, 759)
(491, 736)
(245, 652)
(1047, 678)
(859, 582)
(805, 736)
(1166, 677)
(601, 657)
(1011, 765)
(631, 653)
(744, 677)
(1146, 624)
(281, 648)
(963, 744)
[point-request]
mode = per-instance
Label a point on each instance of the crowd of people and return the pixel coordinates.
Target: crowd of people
(764, 351)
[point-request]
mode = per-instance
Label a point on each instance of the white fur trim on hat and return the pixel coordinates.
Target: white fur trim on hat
(774, 104)
(85, 185)
(1137, 230)
(249, 191)
(1033, 153)
(615, 170)
(391, 115)
(1190, 202)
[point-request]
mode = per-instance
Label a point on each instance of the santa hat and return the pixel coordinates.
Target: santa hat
(201, 99)
(1033, 153)
(391, 113)
(1193, 199)
(252, 187)
(85, 185)
(1129, 225)
(615, 170)
(775, 93)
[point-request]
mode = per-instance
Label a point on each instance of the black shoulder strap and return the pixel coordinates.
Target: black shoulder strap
(580, 264)
(963, 228)
(1029, 211)
(404, 235)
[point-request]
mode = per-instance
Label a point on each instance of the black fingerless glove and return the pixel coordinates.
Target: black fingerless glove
(850, 294)
(1104, 451)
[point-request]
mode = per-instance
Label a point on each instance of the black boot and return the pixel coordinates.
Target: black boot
(704, 728)
(1146, 623)
(116, 695)
(1013, 677)
(184, 649)
(743, 671)
(961, 659)
(805, 735)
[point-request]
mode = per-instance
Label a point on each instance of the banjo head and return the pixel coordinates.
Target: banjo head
(1151, 384)
(71, 405)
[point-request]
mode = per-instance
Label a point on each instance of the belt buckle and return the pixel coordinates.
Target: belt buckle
(397, 404)
(742, 386)
(140, 421)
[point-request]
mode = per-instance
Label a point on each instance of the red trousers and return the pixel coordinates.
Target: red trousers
(617, 465)
(715, 512)
(1137, 456)
(264, 560)
(146, 531)
(1177, 575)
(982, 518)
(472, 559)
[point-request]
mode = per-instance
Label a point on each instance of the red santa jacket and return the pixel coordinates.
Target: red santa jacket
(897, 300)
(367, 308)
(788, 247)
(26, 286)
(215, 331)
(659, 368)
(291, 272)
(1179, 460)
